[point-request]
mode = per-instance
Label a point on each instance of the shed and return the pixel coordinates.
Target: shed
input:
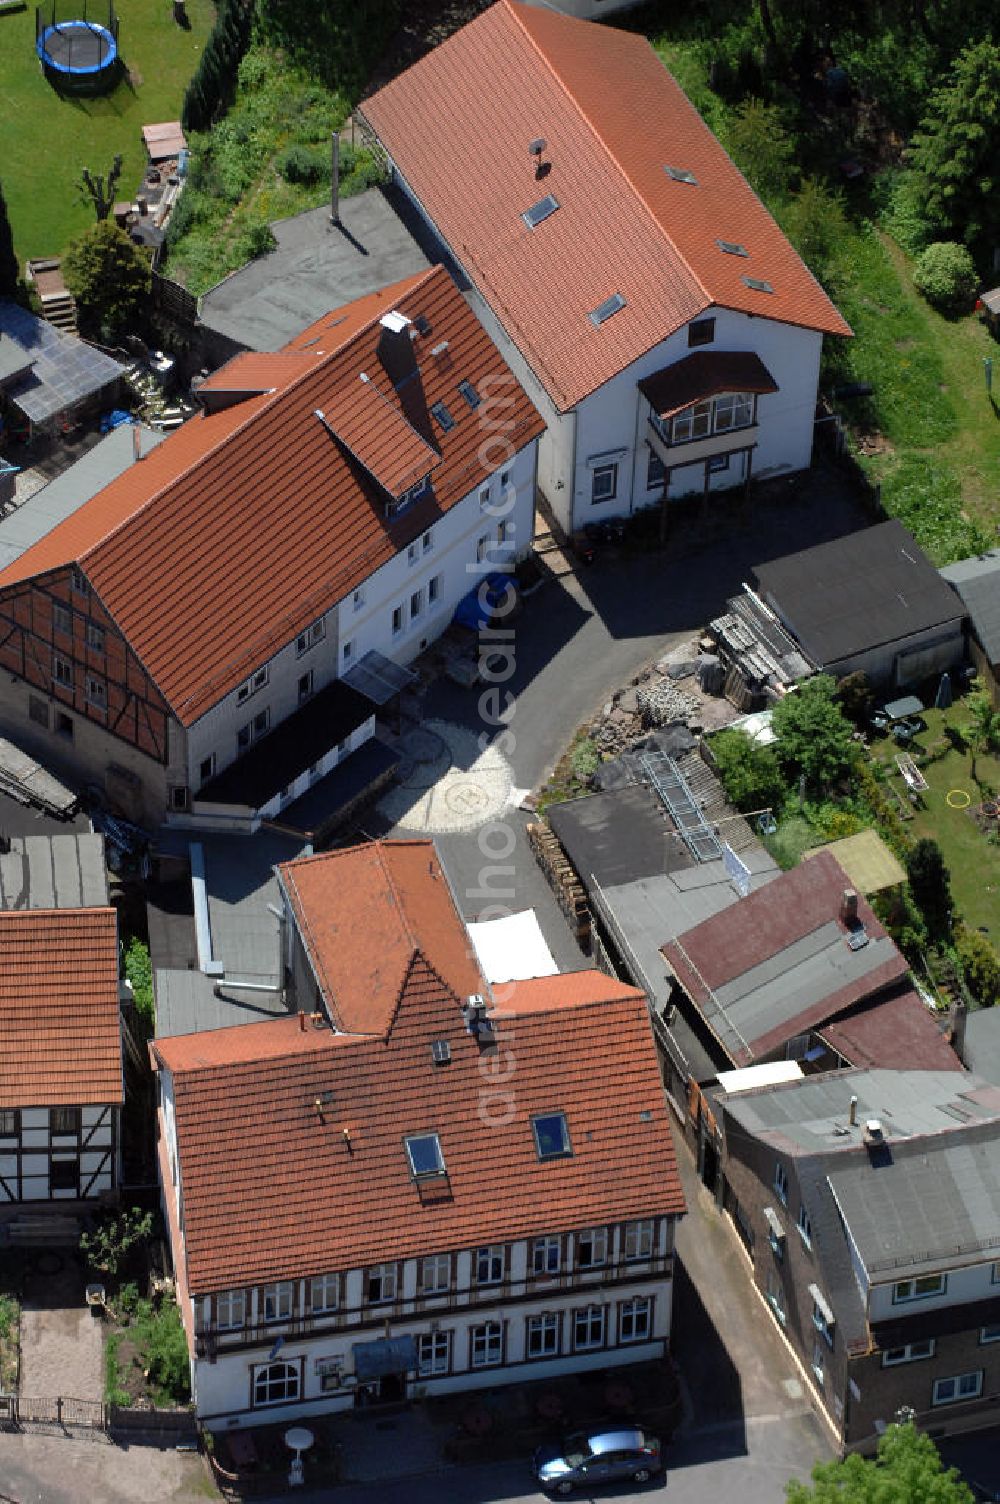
(977, 583)
(871, 602)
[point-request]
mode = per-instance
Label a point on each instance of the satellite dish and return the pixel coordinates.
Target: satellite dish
(537, 146)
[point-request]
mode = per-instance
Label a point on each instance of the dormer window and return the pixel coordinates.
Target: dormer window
(424, 1153)
(398, 503)
(551, 1135)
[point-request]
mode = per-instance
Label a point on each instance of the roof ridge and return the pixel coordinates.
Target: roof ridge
(581, 112)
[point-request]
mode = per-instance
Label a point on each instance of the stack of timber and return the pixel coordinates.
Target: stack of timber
(762, 661)
(562, 879)
(24, 780)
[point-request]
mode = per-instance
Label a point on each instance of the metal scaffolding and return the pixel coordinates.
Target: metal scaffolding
(682, 806)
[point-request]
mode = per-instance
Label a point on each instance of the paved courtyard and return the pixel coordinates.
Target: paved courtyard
(62, 1352)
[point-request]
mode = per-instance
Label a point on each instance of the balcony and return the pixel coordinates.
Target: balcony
(691, 451)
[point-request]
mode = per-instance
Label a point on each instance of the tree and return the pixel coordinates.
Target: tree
(907, 1470)
(981, 966)
(108, 276)
(856, 698)
(983, 731)
(8, 261)
(957, 149)
(750, 773)
(815, 740)
(945, 274)
(213, 86)
(762, 149)
(113, 1239)
(100, 189)
(814, 221)
(930, 884)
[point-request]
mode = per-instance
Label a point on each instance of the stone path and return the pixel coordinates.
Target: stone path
(446, 783)
(62, 1351)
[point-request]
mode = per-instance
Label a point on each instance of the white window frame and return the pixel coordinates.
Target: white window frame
(435, 1274)
(911, 1352)
(208, 762)
(433, 1354)
(324, 1293)
(546, 1255)
(694, 422)
(417, 601)
(484, 496)
(230, 1310)
(639, 1241)
(305, 687)
(635, 1319)
(905, 1291)
(989, 1333)
(386, 1277)
(482, 548)
(775, 1295)
(653, 460)
(492, 1256)
(504, 479)
(541, 1336)
(62, 671)
(265, 1377)
(608, 492)
(781, 1182)
(62, 618)
(963, 1388)
(434, 589)
(486, 1345)
(78, 581)
(95, 692)
(804, 1226)
(995, 1274)
(279, 1300)
(412, 554)
(256, 682)
(398, 613)
(309, 638)
(596, 1238)
(427, 541)
(819, 1361)
(347, 650)
(358, 598)
(590, 1326)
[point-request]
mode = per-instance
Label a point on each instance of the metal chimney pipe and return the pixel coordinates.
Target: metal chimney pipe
(335, 179)
(136, 442)
(853, 1118)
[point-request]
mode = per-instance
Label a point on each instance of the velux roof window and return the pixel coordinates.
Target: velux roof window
(605, 310)
(681, 175)
(551, 1135)
(424, 1153)
(533, 217)
(757, 284)
(442, 415)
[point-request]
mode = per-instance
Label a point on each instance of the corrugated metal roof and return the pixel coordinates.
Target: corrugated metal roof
(248, 523)
(458, 125)
(978, 584)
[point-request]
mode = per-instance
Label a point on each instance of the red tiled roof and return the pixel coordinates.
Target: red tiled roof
(257, 371)
(458, 125)
(569, 990)
(60, 1034)
(271, 1188)
(705, 373)
(898, 1033)
(364, 913)
(246, 524)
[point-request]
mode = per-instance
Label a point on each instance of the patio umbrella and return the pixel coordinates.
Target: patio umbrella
(943, 697)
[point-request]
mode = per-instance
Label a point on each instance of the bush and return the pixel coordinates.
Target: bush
(815, 740)
(139, 970)
(114, 1238)
(980, 965)
(304, 164)
(903, 215)
(166, 1352)
(255, 239)
(946, 276)
(750, 774)
(930, 884)
(584, 760)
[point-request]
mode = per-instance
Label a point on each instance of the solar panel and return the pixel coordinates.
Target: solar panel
(64, 369)
(681, 175)
(603, 311)
(757, 284)
(545, 206)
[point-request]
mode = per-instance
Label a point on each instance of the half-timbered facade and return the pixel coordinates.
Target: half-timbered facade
(334, 499)
(61, 1081)
(422, 1184)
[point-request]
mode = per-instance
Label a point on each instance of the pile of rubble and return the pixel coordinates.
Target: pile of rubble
(664, 694)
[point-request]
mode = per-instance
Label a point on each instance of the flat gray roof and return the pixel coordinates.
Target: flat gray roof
(982, 1043)
(186, 1003)
(40, 513)
(928, 1204)
(54, 872)
(316, 266)
(977, 581)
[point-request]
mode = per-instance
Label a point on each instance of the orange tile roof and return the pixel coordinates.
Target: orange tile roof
(569, 990)
(248, 523)
(364, 913)
(257, 371)
(60, 1039)
(458, 124)
(272, 1190)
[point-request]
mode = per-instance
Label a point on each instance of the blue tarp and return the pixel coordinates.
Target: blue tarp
(373, 1360)
(490, 593)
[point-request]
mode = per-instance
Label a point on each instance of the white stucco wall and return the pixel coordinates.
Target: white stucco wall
(963, 1285)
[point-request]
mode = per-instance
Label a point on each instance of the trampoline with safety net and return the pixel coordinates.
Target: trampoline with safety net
(78, 52)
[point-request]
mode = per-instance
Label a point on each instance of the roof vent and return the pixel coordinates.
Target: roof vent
(421, 324)
(732, 248)
(857, 939)
(604, 311)
(757, 284)
(440, 349)
(874, 1133)
(394, 321)
(440, 1052)
(681, 175)
(545, 206)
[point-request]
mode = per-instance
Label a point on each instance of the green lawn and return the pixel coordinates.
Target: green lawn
(973, 862)
(45, 140)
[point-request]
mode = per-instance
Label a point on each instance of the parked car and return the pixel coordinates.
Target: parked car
(585, 1459)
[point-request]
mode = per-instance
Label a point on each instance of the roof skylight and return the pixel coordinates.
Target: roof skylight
(757, 284)
(604, 311)
(424, 1153)
(442, 415)
(469, 392)
(551, 1135)
(732, 248)
(545, 206)
(681, 175)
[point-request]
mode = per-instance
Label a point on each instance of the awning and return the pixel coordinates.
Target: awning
(706, 373)
(373, 1360)
(378, 678)
(820, 1303)
(512, 949)
(773, 1222)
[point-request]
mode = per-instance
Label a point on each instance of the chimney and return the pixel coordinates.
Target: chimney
(335, 179)
(849, 907)
(302, 1022)
(853, 1118)
(136, 442)
(874, 1133)
(958, 1022)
